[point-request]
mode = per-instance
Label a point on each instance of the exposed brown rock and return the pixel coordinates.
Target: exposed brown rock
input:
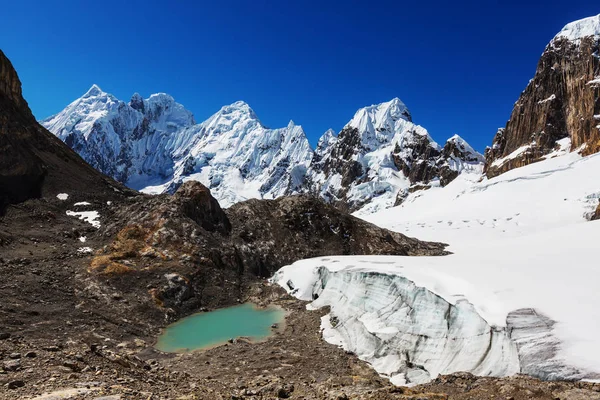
(559, 102)
(596, 214)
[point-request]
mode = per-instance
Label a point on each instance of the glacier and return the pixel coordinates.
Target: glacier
(407, 333)
(522, 275)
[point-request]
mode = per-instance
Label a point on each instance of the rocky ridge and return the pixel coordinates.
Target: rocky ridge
(559, 110)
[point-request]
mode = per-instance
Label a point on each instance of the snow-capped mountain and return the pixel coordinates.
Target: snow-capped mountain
(381, 155)
(154, 144)
(234, 155)
(560, 107)
(125, 141)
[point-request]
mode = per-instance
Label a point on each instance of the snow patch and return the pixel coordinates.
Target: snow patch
(552, 97)
(82, 203)
(62, 196)
(85, 250)
(515, 154)
(91, 217)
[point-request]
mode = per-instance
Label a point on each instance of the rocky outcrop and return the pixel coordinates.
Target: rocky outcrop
(215, 253)
(426, 162)
(596, 215)
(561, 104)
(195, 202)
(34, 162)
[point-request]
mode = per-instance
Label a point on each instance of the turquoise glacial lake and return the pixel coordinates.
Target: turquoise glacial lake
(208, 329)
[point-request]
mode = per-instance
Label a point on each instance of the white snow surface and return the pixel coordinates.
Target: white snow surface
(91, 217)
(579, 29)
(62, 196)
(524, 256)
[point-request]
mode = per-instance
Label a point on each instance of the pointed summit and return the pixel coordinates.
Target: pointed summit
(327, 140)
(239, 107)
(93, 91)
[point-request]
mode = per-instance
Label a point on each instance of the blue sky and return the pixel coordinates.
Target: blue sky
(458, 66)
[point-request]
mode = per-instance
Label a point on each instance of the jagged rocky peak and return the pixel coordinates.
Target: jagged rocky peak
(558, 110)
(457, 147)
(380, 154)
(325, 141)
(137, 102)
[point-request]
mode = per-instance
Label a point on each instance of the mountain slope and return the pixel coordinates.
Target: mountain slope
(34, 162)
(560, 107)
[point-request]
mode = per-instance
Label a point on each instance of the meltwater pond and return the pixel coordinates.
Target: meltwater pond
(212, 328)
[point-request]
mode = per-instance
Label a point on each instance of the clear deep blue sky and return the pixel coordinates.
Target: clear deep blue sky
(458, 66)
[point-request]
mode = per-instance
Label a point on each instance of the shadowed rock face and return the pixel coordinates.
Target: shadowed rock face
(561, 101)
(34, 162)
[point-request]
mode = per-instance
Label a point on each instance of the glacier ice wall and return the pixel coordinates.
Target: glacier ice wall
(407, 332)
(411, 334)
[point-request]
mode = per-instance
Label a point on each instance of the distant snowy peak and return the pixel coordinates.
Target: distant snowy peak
(380, 155)
(378, 123)
(580, 29)
(81, 114)
(327, 140)
(236, 116)
(94, 91)
(381, 115)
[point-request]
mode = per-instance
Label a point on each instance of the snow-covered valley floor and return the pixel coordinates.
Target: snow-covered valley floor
(518, 294)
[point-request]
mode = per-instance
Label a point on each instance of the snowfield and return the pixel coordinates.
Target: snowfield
(518, 294)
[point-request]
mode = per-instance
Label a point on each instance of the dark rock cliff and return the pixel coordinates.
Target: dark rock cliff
(561, 101)
(34, 162)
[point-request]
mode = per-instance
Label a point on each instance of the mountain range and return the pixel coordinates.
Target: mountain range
(374, 162)
(154, 145)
